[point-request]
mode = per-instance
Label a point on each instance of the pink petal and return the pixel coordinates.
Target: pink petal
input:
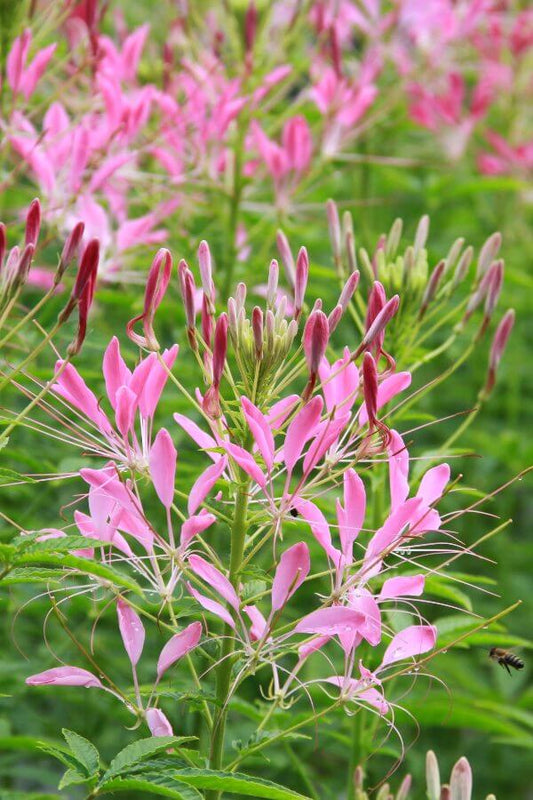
(259, 623)
(71, 386)
(327, 434)
(194, 525)
(341, 391)
(307, 648)
(388, 389)
(65, 676)
(352, 516)
(155, 382)
(203, 440)
(399, 522)
(247, 463)
(409, 643)
(163, 456)
(215, 579)
(331, 621)
(398, 470)
(158, 723)
(212, 606)
(319, 526)
(401, 587)
(366, 605)
(204, 484)
(131, 630)
(280, 411)
(180, 644)
(300, 430)
(126, 405)
(260, 430)
(433, 484)
(116, 373)
(291, 572)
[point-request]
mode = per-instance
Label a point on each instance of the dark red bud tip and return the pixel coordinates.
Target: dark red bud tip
(220, 347)
(315, 340)
(33, 222)
(302, 274)
(70, 250)
(257, 330)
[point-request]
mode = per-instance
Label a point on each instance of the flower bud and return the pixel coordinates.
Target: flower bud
(494, 289)
(334, 232)
(240, 296)
(220, 348)
(156, 286)
(70, 250)
(86, 273)
(24, 265)
(315, 342)
(3, 244)
(250, 27)
(488, 253)
(463, 266)
(378, 326)
(33, 223)
(421, 235)
(393, 239)
(348, 290)
(286, 257)
(334, 318)
(302, 274)
(461, 780)
(370, 389)
(272, 286)
(432, 776)
(431, 288)
(257, 330)
(188, 290)
(206, 272)
(499, 343)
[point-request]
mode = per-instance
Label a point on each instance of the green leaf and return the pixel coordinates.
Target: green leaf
(7, 476)
(6, 794)
(236, 782)
(84, 751)
(71, 777)
(84, 565)
(139, 751)
(149, 785)
(33, 575)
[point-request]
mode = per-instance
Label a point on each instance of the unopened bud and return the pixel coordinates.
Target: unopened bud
(33, 222)
(421, 235)
(315, 342)
(334, 232)
(431, 288)
(86, 272)
(3, 244)
(405, 788)
(286, 256)
(499, 343)
(378, 252)
(494, 289)
(334, 318)
(207, 322)
(257, 330)
(232, 319)
(348, 290)
(453, 253)
(206, 272)
(463, 266)
(188, 291)
(84, 306)
(24, 265)
(250, 27)
(272, 286)
(220, 347)
(370, 389)
(461, 780)
(378, 325)
(488, 253)
(432, 776)
(302, 274)
(240, 296)
(393, 239)
(70, 250)
(211, 403)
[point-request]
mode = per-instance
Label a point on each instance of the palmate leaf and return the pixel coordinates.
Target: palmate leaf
(236, 782)
(139, 751)
(84, 751)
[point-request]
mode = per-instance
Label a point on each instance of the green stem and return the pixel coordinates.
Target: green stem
(223, 677)
(355, 753)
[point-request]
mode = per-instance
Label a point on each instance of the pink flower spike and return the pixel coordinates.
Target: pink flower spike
(291, 572)
(131, 630)
(33, 223)
(409, 643)
(301, 429)
(194, 525)
(158, 723)
(300, 285)
(412, 586)
(204, 483)
(215, 579)
(260, 430)
(212, 606)
(331, 621)
(65, 676)
(180, 644)
(163, 457)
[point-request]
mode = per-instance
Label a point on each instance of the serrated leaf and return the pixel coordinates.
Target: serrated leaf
(236, 782)
(139, 751)
(150, 785)
(33, 575)
(70, 778)
(84, 751)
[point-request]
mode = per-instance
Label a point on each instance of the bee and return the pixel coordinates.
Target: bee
(506, 659)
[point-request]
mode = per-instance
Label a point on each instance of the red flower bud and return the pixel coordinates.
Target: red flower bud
(315, 342)
(499, 343)
(156, 286)
(86, 272)
(257, 330)
(431, 288)
(33, 222)
(370, 389)
(302, 274)
(188, 289)
(220, 348)
(70, 250)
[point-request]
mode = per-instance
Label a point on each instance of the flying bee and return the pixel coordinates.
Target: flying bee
(506, 659)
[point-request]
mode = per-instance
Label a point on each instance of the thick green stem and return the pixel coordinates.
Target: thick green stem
(355, 753)
(223, 678)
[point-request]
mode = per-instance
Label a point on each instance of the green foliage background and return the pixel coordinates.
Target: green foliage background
(483, 713)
